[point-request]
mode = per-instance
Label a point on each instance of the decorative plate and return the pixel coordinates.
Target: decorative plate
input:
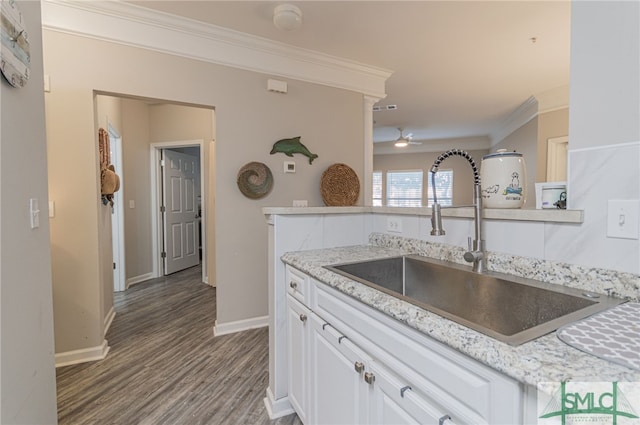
(339, 186)
(255, 180)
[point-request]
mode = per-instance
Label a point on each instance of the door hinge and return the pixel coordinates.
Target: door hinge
(163, 254)
(162, 162)
(114, 266)
(162, 209)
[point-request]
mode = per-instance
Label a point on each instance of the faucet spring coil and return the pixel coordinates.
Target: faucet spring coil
(459, 152)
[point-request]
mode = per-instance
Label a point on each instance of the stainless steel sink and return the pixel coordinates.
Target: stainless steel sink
(511, 309)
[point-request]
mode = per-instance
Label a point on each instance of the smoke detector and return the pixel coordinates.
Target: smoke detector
(287, 17)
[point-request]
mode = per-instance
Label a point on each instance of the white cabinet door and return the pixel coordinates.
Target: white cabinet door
(395, 402)
(340, 395)
(298, 355)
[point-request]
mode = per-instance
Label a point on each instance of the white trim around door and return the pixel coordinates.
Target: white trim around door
(156, 198)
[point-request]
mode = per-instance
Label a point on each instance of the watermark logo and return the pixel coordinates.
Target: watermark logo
(610, 403)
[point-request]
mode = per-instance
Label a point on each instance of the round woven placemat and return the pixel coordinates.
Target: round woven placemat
(255, 180)
(339, 186)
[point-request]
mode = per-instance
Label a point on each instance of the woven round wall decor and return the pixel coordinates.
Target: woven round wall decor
(255, 180)
(339, 186)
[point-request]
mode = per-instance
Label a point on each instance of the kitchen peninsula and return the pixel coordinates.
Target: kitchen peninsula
(307, 239)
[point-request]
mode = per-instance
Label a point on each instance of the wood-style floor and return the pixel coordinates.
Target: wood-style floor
(166, 367)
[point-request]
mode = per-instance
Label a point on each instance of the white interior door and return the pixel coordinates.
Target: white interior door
(181, 216)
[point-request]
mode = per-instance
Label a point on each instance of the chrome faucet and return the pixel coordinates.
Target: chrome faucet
(476, 253)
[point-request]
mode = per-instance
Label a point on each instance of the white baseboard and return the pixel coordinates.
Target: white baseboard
(138, 279)
(81, 356)
(240, 325)
(277, 408)
(108, 320)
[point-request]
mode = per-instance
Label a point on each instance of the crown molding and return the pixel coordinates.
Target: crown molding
(553, 100)
(136, 26)
(522, 115)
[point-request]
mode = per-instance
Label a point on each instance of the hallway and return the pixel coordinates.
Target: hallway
(165, 366)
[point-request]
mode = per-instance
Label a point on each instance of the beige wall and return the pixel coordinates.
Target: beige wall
(525, 141)
(462, 172)
(137, 188)
(27, 374)
(108, 111)
(249, 120)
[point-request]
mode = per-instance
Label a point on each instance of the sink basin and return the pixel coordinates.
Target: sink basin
(511, 309)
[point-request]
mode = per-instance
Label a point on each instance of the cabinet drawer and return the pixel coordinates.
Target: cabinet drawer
(457, 383)
(297, 285)
(395, 402)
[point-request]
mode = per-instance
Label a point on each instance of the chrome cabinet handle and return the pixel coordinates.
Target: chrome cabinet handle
(403, 389)
(303, 317)
(359, 366)
(442, 420)
(369, 378)
(293, 285)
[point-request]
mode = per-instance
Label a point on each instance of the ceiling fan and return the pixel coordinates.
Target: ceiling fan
(404, 141)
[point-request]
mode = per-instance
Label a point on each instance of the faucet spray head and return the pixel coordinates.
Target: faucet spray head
(436, 220)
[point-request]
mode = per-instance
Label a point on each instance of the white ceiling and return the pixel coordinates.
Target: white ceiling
(460, 68)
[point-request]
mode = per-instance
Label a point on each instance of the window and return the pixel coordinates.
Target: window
(444, 187)
(404, 188)
(377, 188)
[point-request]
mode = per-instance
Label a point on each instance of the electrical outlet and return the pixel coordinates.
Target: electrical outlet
(622, 219)
(394, 224)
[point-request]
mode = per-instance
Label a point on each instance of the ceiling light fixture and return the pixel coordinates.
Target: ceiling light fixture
(401, 144)
(287, 17)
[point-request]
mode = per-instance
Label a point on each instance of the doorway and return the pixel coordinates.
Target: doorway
(179, 221)
(180, 208)
(143, 124)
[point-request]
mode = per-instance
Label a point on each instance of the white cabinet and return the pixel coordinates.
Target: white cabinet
(351, 364)
(340, 395)
(298, 355)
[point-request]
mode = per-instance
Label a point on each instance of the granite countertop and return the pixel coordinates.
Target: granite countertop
(546, 359)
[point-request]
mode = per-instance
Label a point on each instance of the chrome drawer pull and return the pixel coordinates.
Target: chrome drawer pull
(325, 324)
(340, 339)
(359, 366)
(444, 419)
(303, 317)
(293, 285)
(403, 389)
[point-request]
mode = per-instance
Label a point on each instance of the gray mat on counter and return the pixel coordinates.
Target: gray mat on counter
(612, 335)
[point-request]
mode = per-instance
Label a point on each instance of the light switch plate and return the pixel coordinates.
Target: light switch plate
(34, 213)
(622, 218)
